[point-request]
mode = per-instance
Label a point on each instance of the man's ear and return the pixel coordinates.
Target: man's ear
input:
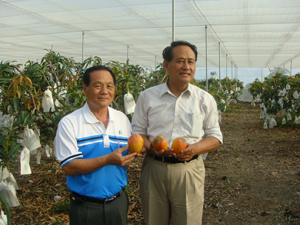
(166, 65)
(84, 88)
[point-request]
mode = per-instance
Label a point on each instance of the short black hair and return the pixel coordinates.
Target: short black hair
(86, 75)
(168, 51)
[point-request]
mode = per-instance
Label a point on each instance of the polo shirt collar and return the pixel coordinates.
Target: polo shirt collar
(90, 118)
(165, 89)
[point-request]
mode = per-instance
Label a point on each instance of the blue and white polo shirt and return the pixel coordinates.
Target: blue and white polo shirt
(81, 136)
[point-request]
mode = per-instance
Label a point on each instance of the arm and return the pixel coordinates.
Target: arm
(82, 166)
(140, 125)
(212, 138)
(66, 147)
(202, 147)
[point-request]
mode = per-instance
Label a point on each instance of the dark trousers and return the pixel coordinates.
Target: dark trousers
(107, 213)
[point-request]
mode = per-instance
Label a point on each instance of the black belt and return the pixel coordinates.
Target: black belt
(80, 198)
(171, 159)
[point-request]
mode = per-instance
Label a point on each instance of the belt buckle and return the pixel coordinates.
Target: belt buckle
(110, 198)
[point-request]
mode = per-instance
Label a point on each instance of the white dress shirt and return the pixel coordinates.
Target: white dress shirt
(193, 115)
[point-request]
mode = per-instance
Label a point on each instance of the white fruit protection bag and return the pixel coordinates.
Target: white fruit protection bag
(38, 158)
(8, 192)
(5, 175)
(24, 161)
(48, 151)
(3, 218)
(32, 139)
(47, 101)
(129, 103)
(8, 186)
(6, 120)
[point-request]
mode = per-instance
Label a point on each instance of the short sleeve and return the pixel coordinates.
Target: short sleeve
(66, 147)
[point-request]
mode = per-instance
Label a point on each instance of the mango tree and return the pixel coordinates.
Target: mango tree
(279, 94)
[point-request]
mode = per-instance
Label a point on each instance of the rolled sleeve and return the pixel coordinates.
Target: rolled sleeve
(140, 117)
(211, 125)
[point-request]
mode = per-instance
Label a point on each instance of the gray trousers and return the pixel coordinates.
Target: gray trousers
(109, 213)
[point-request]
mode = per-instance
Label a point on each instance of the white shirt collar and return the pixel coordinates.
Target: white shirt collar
(90, 117)
(165, 89)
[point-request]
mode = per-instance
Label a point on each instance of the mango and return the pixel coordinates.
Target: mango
(135, 143)
(179, 144)
(159, 143)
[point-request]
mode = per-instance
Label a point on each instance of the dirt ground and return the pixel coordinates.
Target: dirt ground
(253, 178)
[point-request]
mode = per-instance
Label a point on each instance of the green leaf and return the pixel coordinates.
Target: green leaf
(44, 116)
(16, 104)
(2, 138)
(2, 154)
(6, 80)
(121, 79)
(22, 117)
(14, 151)
(32, 118)
(6, 209)
(26, 119)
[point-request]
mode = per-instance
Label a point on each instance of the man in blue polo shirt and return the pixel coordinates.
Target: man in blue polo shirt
(91, 146)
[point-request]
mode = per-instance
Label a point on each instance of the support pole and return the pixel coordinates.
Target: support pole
(82, 46)
(220, 66)
(226, 67)
(127, 52)
(173, 20)
(291, 69)
(206, 58)
(231, 70)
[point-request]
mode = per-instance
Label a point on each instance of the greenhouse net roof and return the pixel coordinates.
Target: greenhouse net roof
(252, 33)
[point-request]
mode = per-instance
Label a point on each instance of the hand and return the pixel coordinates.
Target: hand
(142, 152)
(186, 154)
(116, 157)
(139, 154)
(168, 152)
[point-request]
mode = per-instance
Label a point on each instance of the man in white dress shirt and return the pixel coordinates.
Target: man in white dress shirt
(172, 185)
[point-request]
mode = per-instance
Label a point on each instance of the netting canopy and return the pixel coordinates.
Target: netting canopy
(252, 33)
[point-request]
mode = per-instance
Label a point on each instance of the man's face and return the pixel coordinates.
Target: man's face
(183, 65)
(101, 90)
